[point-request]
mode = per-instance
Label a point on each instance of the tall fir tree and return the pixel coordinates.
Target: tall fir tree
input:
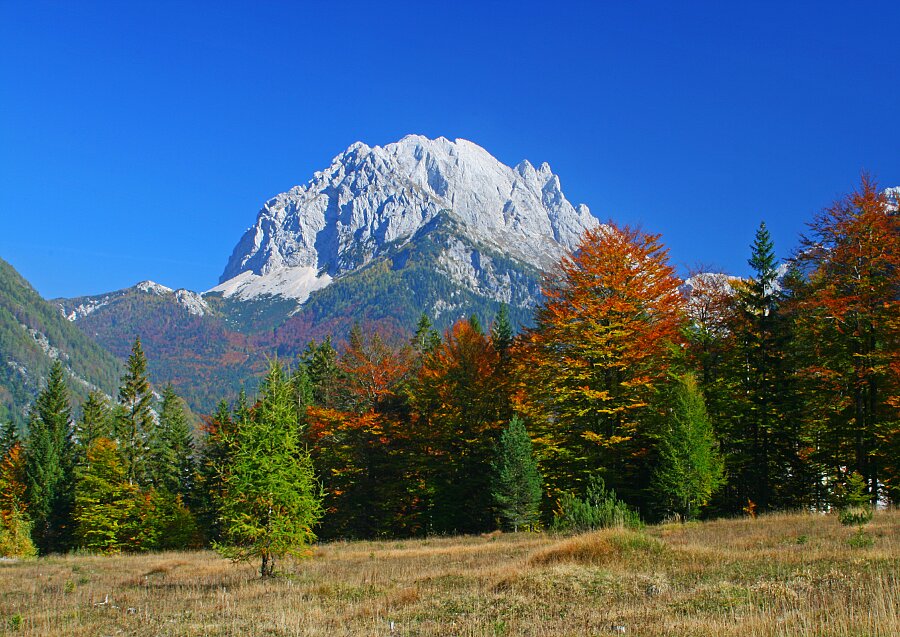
(135, 422)
(96, 421)
(49, 465)
(517, 483)
(271, 501)
(172, 454)
(689, 468)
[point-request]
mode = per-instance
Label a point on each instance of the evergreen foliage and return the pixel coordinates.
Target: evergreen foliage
(689, 468)
(599, 509)
(136, 424)
(96, 421)
(517, 482)
(49, 465)
(271, 500)
(172, 461)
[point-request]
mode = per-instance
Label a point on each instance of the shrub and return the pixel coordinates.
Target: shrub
(599, 509)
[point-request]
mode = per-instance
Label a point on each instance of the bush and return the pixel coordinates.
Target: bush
(855, 516)
(600, 509)
(15, 535)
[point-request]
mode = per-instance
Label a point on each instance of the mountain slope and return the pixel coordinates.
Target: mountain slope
(380, 236)
(33, 334)
(371, 201)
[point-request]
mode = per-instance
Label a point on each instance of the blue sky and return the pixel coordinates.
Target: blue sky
(139, 139)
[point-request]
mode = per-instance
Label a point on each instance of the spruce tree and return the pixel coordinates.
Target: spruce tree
(95, 422)
(425, 339)
(173, 447)
(135, 424)
(689, 468)
(764, 445)
(214, 460)
(271, 500)
(502, 333)
(49, 464)
(321, 366)
(517, 483)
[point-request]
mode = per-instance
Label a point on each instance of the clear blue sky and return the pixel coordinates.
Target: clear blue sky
(139, 139)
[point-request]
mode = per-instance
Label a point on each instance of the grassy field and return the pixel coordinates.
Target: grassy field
(776, 575)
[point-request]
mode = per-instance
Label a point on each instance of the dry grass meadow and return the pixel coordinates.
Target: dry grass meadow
(776, 575)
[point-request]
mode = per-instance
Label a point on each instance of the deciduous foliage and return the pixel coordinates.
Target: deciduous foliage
(458, 401)
(271, 500)
(15, 526)
(105, 500)
(849, 318)
(600, 347)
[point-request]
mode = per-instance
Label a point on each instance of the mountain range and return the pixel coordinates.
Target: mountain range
(378, 237)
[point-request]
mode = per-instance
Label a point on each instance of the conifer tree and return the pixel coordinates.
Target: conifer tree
(172, 452)
(95, 422)
(49, 464)
(135, 424)
(689, 468)
(9, 436)
(502, 332)
(425, 339)
(271, 500)
(517, 483)
(321, 366)
(215, 458)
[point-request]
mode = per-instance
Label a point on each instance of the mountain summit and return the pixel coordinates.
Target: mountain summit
(372, 201)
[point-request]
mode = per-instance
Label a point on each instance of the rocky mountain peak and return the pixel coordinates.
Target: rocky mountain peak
(371, 199)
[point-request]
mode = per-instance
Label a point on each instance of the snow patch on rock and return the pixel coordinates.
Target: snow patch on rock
(153, 288)
(292, 283)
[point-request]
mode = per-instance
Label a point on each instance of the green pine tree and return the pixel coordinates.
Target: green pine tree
(502, 333)
(517, 483)
(49, 465)
(689, 468)
(135, 424)
(425, 339)
(172, 452)
(214, 460)
(95, 422)
(271, 500)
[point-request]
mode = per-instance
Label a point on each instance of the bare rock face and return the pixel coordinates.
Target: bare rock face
(372, 200)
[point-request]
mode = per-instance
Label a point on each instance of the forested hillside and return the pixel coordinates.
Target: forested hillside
(33, 334)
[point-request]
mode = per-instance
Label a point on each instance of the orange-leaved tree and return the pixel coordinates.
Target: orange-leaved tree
(600, 348)
(459, 404)
(362, 446)
(849, 319)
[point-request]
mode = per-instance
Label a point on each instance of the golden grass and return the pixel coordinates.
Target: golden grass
(777, 575)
